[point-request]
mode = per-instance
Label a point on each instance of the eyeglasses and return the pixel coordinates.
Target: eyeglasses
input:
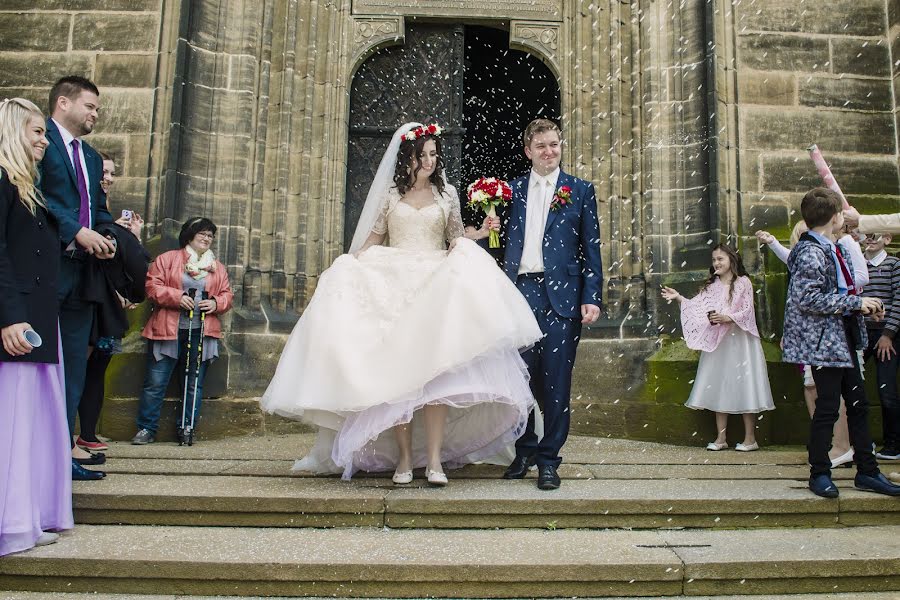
(206, 234)
(873, 238)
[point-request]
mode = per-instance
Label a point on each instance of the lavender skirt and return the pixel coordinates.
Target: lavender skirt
(35, 454)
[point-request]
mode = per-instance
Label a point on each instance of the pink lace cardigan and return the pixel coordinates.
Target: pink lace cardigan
(699, 333)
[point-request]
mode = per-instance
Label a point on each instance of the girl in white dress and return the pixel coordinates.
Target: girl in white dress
(407, 355)
(720, 322)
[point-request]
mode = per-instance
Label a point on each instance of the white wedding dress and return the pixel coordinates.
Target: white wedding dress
(404, 325)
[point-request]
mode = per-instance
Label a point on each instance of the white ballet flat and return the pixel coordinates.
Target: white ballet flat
(436, 478)
(46, 538)
(716, 447)
(741, 447)
(843, 459)
(402, 478)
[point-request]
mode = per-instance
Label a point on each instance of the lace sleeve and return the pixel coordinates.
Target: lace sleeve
(380, 226)
(454, 227)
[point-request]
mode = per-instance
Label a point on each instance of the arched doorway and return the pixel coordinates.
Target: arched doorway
(464, 77)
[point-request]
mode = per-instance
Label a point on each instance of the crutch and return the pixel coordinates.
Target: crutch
(187, 366)
(190, 431)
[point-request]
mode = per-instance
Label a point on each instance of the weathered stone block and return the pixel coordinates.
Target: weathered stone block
(893, 12)
(832, 131)
(748, 166)
(138, 156)
(114, 145)
(762, 87)
(29, 69)
(125, 111)
(34, 31)
(130, 193)
(125, 70)
(115, 32)
(861, 57)
(842, 17)
(764, 212)
(219, 27)
(130, 5)
(206, 68)
(772, 52)
(876, 176)
(857, 94)
(895, 48)
(206, 108)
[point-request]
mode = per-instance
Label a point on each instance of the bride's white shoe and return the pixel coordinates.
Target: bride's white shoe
(436, 478)
(402, 477)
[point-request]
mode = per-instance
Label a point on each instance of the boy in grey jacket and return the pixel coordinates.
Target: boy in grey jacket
(823, 328)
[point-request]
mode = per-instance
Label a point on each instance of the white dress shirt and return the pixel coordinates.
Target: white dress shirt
(537, 206)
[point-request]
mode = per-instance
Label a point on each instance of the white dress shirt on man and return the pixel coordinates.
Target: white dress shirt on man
(537, 206)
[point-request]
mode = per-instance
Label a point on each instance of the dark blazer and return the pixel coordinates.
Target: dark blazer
(125, 273)
(60, 189)
(29, 269)
(572, 266)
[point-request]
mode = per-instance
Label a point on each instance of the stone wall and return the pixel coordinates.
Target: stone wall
(813, 74)
(113, 42)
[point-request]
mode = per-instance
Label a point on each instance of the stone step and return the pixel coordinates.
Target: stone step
(363, 562)
(70, 596)
(282, 468)
(221, 500)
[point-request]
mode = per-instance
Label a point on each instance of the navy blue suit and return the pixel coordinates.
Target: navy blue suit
(573, 275)
(59, 187)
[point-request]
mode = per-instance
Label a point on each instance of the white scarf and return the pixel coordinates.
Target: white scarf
(197, 266)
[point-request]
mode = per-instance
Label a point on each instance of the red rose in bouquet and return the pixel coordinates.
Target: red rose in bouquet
(487, 193)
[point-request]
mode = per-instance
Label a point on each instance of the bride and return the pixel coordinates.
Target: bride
(407, 355)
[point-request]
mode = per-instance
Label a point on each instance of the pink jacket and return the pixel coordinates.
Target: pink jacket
(164, 291)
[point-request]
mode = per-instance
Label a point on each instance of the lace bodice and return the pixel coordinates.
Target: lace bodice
(428, 228)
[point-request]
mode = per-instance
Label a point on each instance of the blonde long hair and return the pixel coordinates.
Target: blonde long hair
(16, 156)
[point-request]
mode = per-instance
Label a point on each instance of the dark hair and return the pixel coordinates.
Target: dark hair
(192, 227)
(539, 126)
(409, 151)
(71, 87)
(819, 205)
(737, 268)
(105, 156)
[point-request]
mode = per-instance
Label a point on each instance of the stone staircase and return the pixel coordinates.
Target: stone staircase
(227, 518)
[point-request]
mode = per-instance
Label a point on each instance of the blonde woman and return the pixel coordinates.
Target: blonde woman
(35, 458)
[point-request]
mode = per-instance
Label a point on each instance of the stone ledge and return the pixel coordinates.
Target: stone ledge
(377, 563)
(469, 503)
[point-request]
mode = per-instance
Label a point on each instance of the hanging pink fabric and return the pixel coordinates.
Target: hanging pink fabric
(699, 333)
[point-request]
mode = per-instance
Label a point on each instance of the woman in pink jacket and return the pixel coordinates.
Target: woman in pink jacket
(181, 284)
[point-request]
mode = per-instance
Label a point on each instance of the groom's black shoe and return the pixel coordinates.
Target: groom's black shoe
(519, 467)
(547, 477)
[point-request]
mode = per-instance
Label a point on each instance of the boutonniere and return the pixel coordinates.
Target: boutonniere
(561, 198)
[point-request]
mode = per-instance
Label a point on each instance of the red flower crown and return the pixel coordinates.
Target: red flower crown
(422, 130)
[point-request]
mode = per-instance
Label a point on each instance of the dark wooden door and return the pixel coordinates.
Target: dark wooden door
(419, 81)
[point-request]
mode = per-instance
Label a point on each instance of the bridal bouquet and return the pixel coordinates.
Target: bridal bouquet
(487, 193)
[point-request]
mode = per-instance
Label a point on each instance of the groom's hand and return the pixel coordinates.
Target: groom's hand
(589, 313)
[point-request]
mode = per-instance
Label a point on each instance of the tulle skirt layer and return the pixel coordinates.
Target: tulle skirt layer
(733, 378)
(393, 331)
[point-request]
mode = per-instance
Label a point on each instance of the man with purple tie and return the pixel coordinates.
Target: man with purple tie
(70, 182)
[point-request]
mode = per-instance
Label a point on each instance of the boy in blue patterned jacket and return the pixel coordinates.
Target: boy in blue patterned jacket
(823, 328)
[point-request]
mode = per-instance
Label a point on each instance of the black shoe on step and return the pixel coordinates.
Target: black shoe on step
(519, 467)
(548, 479)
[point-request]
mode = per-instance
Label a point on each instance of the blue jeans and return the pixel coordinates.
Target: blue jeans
(156, 380)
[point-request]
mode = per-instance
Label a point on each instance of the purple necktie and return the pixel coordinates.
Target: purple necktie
(84, 211)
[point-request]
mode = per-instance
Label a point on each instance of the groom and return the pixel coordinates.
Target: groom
(553, 256)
